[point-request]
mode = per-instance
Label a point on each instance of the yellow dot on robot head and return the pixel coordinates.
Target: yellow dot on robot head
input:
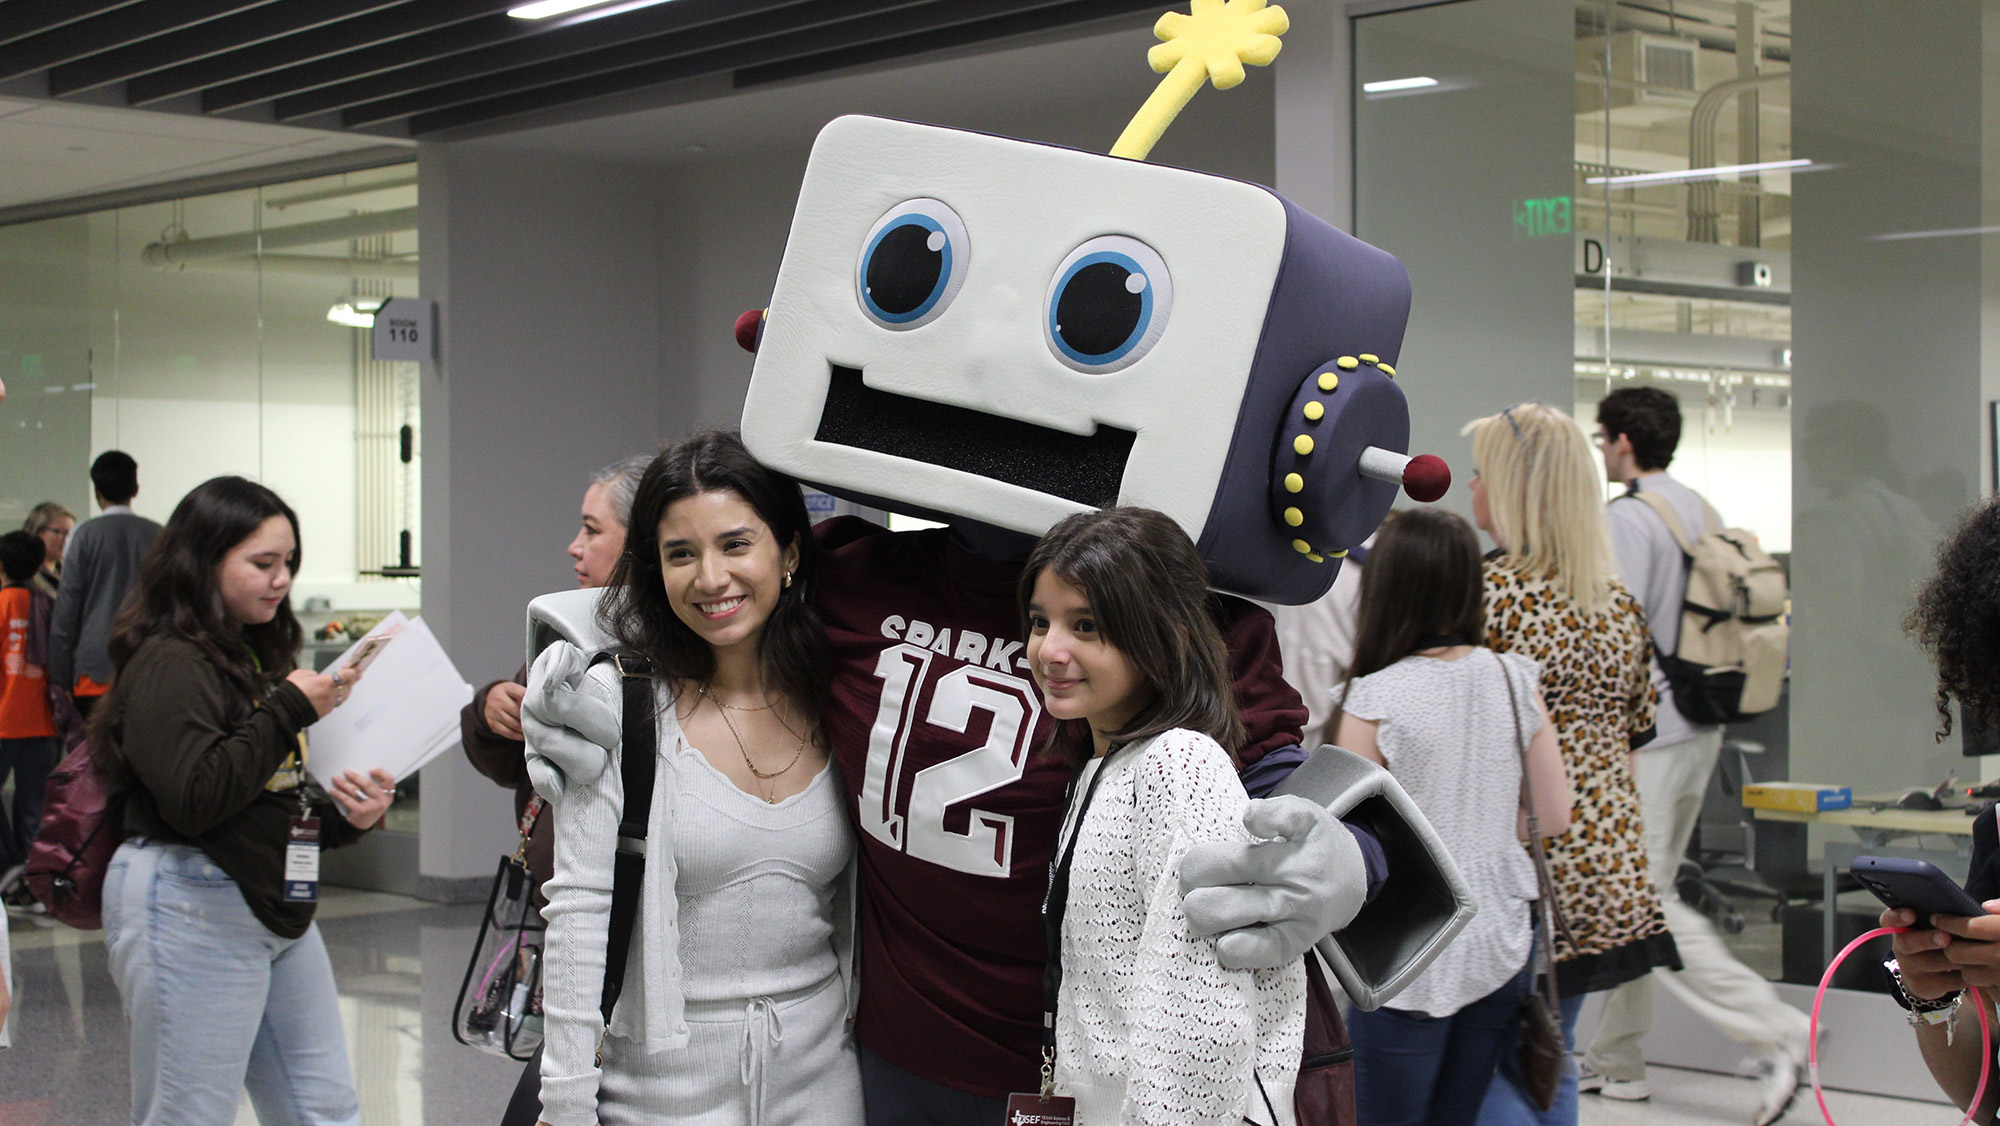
(1316, 557)
(1385, 369)
(1348, 363)
(1315, 411)
(1303, 444)
(1302, 547)
(1341, 554)
(1370, 358)
(1294, 517)
(1294, 483)
(1328, 381)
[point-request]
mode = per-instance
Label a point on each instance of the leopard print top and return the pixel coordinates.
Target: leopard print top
(1595, 677)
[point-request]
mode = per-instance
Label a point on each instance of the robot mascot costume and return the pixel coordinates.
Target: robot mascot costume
(996, 334)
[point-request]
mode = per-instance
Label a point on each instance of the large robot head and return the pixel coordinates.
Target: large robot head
(971, 326)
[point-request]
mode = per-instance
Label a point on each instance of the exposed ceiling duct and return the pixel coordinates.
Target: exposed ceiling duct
(340, 191)
(388, 269)
(251, 243)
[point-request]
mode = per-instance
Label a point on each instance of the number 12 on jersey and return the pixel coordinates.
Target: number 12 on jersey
(986, 848)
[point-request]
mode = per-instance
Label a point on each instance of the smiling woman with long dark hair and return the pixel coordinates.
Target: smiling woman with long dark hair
(732, 1008)
(223, 974)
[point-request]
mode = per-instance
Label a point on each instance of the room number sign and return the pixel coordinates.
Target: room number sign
(406, 329)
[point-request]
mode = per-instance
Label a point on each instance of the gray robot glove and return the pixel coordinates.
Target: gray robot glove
(570, 733)
(1269, 902)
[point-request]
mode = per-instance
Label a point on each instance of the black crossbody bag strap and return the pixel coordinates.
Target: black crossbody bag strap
(636, 762)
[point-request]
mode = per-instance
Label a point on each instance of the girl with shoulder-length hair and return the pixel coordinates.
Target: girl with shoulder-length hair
(732, 1007)
(1149, 1027)
(1552, 595)
(1165, 629)
(1456, 724)
(201, 733)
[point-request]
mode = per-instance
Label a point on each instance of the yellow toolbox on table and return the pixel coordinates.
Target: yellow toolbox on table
(1798, 797)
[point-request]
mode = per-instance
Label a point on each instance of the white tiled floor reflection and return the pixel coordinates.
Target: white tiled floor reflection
(69, 1066)
(1685, 1098)
(398, 962)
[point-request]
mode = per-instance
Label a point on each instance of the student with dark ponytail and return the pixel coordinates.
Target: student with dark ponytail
(224, 977)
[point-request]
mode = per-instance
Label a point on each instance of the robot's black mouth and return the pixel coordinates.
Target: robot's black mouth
(1087, 470)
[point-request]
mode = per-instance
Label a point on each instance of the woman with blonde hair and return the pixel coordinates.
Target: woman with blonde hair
(1552, 596)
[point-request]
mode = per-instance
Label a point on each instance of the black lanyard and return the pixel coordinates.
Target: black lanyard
(1053, 908)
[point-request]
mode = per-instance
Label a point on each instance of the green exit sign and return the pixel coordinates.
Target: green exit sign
(1539, 218)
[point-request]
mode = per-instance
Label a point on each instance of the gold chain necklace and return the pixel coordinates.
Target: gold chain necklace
(770, 798)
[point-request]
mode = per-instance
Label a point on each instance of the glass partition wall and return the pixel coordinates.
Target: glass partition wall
(226, 334)
(1790, 221)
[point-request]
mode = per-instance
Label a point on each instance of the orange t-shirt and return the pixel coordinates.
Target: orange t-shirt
(24, 696)
(88, 687)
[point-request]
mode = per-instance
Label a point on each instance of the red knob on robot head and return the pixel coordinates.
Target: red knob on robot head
(750, 329)
(1425, 477)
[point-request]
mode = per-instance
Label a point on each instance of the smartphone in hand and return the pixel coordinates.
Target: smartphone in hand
(1915, 885)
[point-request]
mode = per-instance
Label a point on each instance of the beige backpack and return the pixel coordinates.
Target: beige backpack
(1729, 663)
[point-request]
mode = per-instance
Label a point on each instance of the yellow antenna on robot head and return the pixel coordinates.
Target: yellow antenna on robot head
(1210, 44)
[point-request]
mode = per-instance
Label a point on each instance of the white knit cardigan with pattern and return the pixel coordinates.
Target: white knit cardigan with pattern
(1149, 1027)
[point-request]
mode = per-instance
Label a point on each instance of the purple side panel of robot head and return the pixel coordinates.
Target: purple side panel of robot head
(1335, 296)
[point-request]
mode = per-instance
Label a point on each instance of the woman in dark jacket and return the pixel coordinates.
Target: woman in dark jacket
(208, 905)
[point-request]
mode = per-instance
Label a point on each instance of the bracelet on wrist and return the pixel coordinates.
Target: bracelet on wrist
(1932, 1010)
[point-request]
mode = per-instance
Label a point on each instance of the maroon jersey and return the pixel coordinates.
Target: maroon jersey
(935, 723)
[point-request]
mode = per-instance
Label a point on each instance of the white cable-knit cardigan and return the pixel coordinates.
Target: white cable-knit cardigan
(650, 1009)
(1149, 1027)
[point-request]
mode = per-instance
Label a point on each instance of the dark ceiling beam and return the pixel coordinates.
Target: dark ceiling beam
(111, 30)
(649, 24)
(906, 21)
(420, 29)
(699, 43)
(190, 44)
(942, 39)
(23, 18)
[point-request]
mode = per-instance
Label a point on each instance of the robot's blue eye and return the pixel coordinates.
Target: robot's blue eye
(1108, 304)
(912, 263)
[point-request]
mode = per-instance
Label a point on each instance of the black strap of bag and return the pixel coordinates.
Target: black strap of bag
(1541, 1048)
(636, 762)
(1551, 914)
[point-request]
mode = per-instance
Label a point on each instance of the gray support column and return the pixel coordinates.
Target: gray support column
(546, 272)
(1314, 113)
(1887, 405)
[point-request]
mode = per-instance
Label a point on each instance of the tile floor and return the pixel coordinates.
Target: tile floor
(68, 1066)
(1685, 1098)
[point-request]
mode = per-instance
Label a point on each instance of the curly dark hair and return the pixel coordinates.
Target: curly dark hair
(1957, 619)
(793, 651)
